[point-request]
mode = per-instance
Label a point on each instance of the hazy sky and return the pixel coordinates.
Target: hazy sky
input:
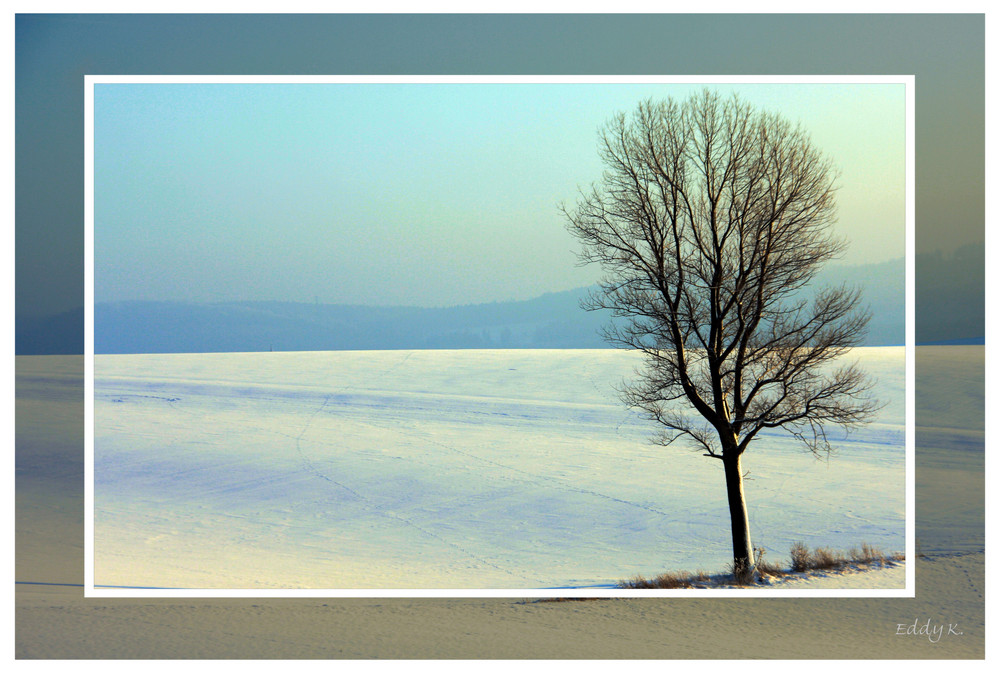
(410, 194)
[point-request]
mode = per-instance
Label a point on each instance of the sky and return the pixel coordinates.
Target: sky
(409, 194)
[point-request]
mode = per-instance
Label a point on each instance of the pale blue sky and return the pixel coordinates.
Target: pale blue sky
(408, 194)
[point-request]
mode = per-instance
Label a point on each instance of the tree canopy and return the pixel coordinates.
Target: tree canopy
(711, 219)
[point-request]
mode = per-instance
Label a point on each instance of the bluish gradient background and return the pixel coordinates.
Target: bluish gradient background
(410, 194)
(53, 53)
(944, 52)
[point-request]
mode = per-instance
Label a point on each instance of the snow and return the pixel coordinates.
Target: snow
(56, 620)
(510, 469)
(853, 577)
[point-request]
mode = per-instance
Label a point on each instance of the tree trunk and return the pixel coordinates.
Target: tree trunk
(743, 558)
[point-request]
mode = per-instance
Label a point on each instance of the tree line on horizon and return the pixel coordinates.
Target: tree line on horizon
(949, 310)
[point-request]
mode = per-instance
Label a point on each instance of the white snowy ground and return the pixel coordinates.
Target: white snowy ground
(448, 470)
(851, 577)
(54, 620)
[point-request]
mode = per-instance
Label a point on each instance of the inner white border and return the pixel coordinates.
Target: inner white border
(90, 590)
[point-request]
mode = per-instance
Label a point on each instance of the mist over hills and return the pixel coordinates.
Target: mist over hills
(950, 309)
(550, 321)
(553, 320)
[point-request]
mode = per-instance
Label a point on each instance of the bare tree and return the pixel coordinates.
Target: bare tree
(710, 219)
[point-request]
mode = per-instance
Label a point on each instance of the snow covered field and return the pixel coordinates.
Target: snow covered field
(445, 470)
(54, 619)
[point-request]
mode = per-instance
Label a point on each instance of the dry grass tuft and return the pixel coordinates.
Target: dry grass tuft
(800, 557)
(826, 559)
(766, 568)
(867, 555)
(802, 560)
(738, 579)
(668, 580)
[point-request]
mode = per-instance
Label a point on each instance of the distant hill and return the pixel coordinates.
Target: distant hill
(883, 291)
(553, 320)
(59, 334)
(951, 296)
(550, 321)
